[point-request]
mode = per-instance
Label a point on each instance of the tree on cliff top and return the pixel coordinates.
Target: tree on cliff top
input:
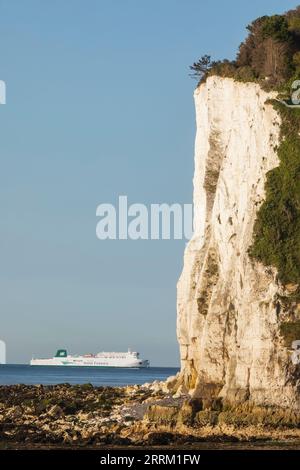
(200, 68)
(269, 48)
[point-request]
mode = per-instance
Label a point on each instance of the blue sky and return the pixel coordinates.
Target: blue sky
(99, 103)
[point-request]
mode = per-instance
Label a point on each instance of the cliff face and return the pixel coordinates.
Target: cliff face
(228, 316)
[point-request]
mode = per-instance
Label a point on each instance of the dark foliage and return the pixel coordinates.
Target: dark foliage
(200, 68)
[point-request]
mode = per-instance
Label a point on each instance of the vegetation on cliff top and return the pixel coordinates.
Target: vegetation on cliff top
(270, 56)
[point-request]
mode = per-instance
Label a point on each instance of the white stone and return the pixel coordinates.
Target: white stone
(229, 338)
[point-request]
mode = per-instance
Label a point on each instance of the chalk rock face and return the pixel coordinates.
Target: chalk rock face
(228, 318)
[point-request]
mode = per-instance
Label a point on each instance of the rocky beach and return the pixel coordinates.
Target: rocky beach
(148, 416)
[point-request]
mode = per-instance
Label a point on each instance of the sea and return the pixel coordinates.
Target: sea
(11, 374)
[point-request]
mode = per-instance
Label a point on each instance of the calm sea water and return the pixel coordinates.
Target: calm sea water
(31, 375)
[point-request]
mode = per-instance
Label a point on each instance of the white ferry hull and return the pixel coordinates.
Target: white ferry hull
(77, 362)
(123, 360)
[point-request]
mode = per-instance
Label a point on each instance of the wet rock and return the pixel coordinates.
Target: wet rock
(159, 438)
(188, 411)
(166, 415)
(112, 439)
(205, 418)
(214, 404)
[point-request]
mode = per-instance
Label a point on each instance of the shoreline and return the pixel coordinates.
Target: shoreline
(200, 446)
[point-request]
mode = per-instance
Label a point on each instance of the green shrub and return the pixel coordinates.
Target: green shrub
(276, 27)
(277, 227)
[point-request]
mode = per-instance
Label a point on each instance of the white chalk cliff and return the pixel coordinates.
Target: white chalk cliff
(228, 319)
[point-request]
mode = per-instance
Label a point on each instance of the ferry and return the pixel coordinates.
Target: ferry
(129, 359)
